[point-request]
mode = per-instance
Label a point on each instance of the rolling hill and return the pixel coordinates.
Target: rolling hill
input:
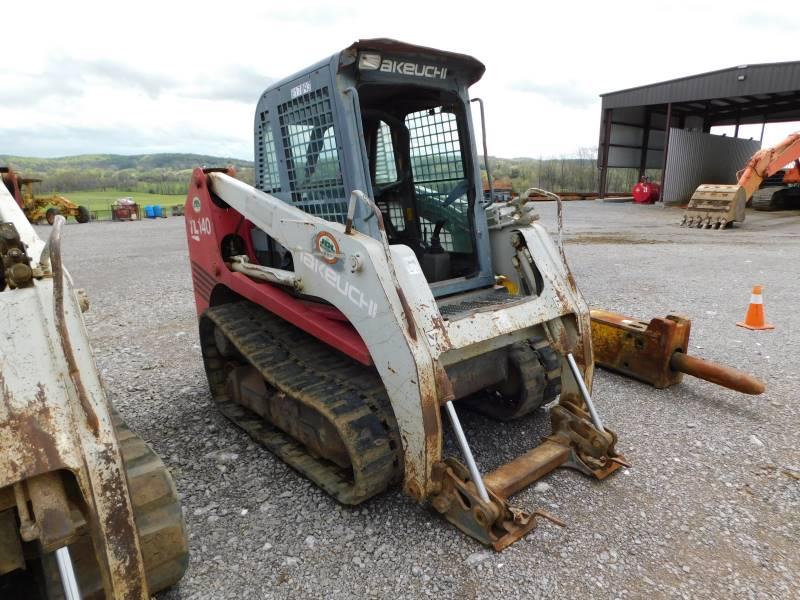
(168, 174)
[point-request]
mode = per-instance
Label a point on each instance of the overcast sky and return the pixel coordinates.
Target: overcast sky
(141, 77)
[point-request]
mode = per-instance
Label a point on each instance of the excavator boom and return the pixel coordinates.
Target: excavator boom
(718, 206)
(767, 162)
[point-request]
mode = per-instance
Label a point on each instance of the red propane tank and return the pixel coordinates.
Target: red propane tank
(646, 191)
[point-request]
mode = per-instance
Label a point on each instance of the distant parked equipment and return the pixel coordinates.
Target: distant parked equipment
(125, 209)
(718, 206)
(502, 191)
(40, 208)
(779, 191)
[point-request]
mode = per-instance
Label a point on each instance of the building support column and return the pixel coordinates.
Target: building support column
(645, 143)
(666, 149)
(603, 185)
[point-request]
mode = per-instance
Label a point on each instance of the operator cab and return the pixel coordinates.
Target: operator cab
(394, 121)
(419, 176)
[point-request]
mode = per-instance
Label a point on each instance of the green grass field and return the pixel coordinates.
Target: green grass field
(95, 201)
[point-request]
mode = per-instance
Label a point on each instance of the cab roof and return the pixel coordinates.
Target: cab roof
(473, 68)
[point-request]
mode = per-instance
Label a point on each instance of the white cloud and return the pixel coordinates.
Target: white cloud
(564, 93)
(185, 76)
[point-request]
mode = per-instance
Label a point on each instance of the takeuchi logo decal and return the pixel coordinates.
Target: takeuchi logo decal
(404, 67)
(327, 247)
(340, 284)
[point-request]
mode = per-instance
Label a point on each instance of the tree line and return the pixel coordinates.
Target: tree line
(156, 181)
(566, 174)
(169, 174)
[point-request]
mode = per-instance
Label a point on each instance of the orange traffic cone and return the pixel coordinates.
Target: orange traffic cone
(754, 319)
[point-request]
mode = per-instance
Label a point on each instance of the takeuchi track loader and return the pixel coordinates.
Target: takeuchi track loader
(363, 287)
(87, 509)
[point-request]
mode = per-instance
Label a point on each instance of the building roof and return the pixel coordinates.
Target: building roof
(768, 92)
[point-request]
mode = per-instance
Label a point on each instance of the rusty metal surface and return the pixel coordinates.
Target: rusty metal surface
(716, 373)
(61, 324)
(51, 510)
(493, 523)
(656, 352)
(54, 418)
(592, 452)
(512, 477)
(715, 206)
(11, 556)
(639, 349)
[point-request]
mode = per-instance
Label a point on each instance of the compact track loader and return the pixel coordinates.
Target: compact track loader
(87, 509)
(364, 285)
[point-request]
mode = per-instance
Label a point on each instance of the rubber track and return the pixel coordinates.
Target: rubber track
(540, 367)
(551, 362)
(766, 198)
(156, 510)
(351, 396)
(158, 516)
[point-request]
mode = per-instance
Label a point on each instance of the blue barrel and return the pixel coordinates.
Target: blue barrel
(158, 211)
(149, 212)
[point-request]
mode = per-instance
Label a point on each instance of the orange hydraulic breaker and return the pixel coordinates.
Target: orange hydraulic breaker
(657, 352)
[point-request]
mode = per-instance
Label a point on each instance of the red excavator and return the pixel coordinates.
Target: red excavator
(718, 206)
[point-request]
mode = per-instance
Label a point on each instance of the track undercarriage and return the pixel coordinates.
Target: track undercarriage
(330, 418)
(320, 412)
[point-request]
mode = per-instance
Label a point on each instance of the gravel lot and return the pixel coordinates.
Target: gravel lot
(710, 508)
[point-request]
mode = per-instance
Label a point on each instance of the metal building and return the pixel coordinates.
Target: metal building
(666, 125)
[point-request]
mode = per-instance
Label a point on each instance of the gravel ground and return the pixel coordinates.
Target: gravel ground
(709, 509)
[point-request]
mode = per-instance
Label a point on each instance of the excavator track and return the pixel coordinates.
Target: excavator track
(315, 379)
(777, 198)
(767, 198)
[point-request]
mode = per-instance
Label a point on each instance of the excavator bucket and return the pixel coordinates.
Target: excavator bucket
(715, 206)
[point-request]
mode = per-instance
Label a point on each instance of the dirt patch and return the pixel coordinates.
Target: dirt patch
(614, 239)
